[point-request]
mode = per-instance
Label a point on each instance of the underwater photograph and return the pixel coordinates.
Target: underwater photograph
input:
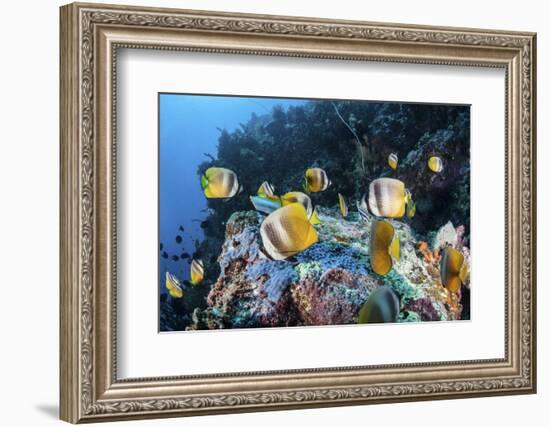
(279, 212)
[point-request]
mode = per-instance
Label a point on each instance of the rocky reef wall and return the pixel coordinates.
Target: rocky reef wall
(328, 283)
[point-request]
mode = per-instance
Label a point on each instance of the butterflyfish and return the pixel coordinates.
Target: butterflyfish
(392, 160)
(382, 306)
(316, 180)
(435, 164)
(305, 201)
(173, 286)
(363, 209)
(387, 197)
(220, 183)
(343, 205)
(287, 231)
(197, 272)
(298, 197)
(411, 206)
(264, 204)
(453, 269)
(384, 247)
(266, 190)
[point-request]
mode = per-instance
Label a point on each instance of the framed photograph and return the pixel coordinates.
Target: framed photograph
(266, 212)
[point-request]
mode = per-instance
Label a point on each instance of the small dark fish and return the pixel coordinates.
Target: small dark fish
(164, 254)
(178, 239)
(184, 255)
(181, 228)
(175, 258)
(161, 246)
(197, 254)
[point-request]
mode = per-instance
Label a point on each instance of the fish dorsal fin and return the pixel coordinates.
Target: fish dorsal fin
(210, 172)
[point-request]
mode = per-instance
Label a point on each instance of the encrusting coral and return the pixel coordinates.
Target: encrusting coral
(326, 284)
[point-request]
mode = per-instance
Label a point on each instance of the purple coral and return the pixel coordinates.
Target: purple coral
(424, 308)
(334, 299)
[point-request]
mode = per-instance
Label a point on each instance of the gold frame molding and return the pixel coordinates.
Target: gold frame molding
(90, 37)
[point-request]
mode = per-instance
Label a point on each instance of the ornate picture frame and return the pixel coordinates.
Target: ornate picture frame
(90, 37)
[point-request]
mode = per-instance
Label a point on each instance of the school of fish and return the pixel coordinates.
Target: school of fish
(288, 228)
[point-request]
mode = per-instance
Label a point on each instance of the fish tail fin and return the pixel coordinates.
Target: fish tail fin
(411, 209)
(464, 273)
(314, 218)
(305, 186)
(395, 248)
(240, 189)
(204, 181)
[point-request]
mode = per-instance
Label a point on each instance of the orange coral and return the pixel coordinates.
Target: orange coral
(429, 256)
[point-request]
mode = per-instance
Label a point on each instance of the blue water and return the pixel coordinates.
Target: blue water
(189, 128)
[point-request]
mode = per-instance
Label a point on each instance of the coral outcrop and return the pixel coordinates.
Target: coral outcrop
(326, 284)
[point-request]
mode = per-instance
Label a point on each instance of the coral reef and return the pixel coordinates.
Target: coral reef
(280, 146)
(326, 284)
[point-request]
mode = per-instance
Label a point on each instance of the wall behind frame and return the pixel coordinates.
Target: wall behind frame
(29, 173)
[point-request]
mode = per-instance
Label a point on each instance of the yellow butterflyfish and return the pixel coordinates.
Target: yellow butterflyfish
(343, 205)
(173, 285)
(196, 272)
(316, 180)
(387, 197)
(220, 183)
(435, 164)
(385, 248)
(453, 269)
(287, 231)
(392, 161)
